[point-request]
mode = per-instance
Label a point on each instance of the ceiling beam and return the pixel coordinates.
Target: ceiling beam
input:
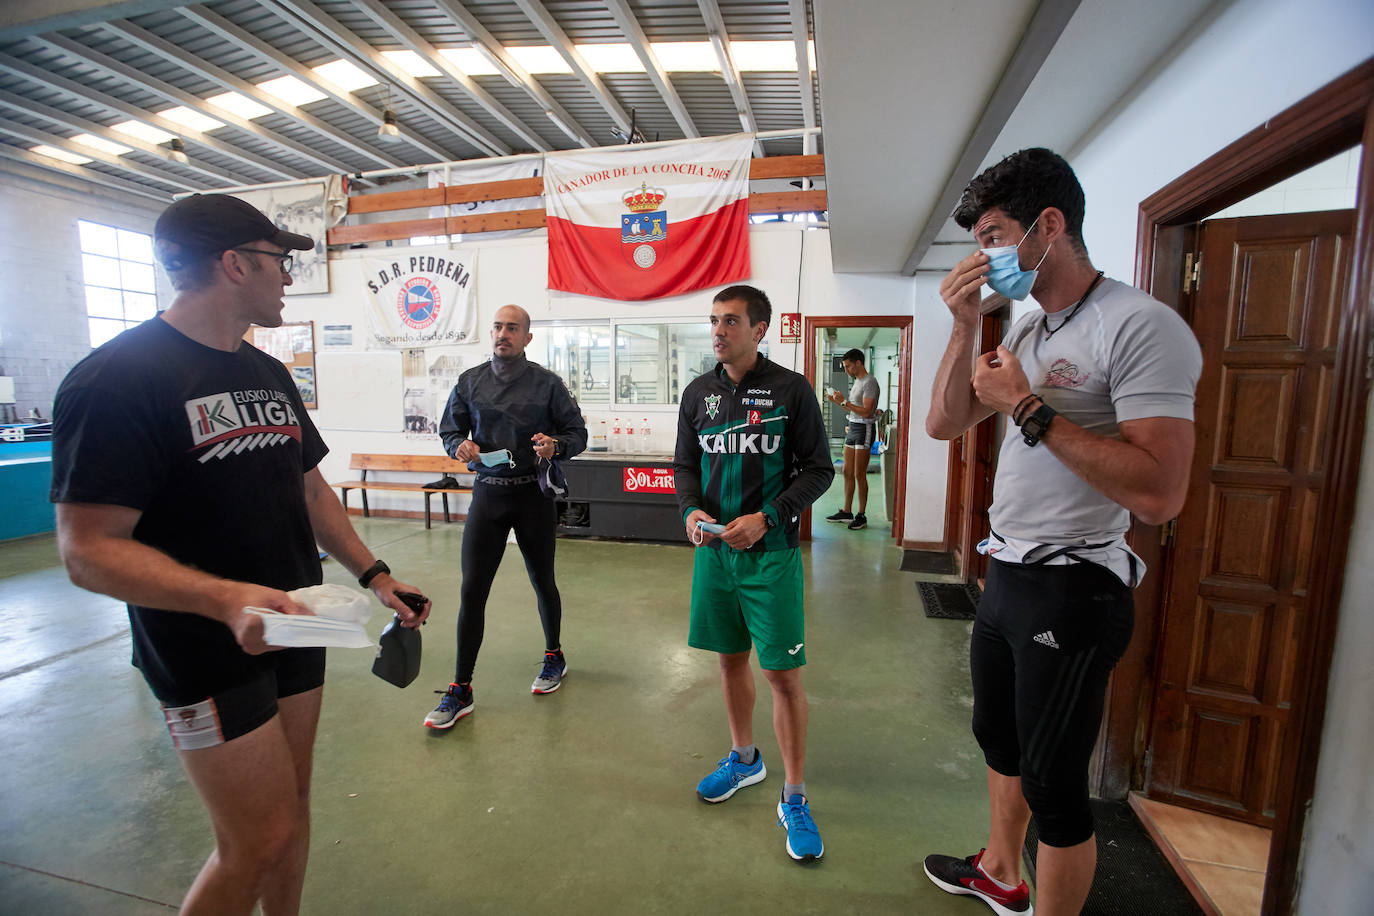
(334, 36)
(165, 49)
(720, 41)
(35, 135)
(213, 22)
(180, 97)
(1037, 41)
(513, 72)
(629, 25)
(103, 180)
(61, 84)
(417, 43)
(800, 37)
(74, 122)
(558, 39)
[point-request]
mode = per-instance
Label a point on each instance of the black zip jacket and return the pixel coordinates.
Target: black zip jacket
(759, 446)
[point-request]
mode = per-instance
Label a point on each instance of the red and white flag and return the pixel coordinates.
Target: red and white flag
(649, 221)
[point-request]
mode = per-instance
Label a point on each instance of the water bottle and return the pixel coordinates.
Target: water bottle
(617, 442)
(644, 445)
(631, 440)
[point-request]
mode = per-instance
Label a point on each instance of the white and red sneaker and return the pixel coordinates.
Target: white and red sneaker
(964, 876)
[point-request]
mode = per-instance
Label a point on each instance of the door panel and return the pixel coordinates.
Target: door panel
(1265, 313)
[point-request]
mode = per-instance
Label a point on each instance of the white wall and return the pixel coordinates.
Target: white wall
(791, 265)
(1255, 59)
(43, 329)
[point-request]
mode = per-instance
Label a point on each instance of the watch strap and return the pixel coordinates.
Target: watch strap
(1033, 426)
(372, 572)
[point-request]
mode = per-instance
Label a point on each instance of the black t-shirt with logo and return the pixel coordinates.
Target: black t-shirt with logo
(211, 448)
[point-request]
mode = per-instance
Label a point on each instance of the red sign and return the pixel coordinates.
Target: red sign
(791, 328)
(649, 480)
(755, 417)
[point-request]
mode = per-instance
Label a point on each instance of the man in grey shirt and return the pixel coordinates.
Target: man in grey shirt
(859, 433)
(1100, 381)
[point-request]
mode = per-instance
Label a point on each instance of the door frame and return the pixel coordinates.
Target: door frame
(1336, 117)
(904, 322)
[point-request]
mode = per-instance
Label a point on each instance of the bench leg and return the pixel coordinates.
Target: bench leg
(427, 496)
(446, 518)
(364, 495)
(343, 493)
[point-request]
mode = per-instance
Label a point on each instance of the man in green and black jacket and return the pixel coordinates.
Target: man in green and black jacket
(751, 455)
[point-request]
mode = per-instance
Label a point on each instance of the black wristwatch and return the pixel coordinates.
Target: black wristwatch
(769, 520)
(373, 571)
(1033, 427)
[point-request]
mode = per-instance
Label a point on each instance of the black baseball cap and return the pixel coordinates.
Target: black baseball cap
(206, 224)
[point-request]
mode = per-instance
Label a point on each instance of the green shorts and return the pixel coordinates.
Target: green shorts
(739, 599)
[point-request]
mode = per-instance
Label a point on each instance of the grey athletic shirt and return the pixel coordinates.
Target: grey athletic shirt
(866, 387)
(1124, 356)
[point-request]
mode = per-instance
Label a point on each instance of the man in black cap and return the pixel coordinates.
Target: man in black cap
(185, 473)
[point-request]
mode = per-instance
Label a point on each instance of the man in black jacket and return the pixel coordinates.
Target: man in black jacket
(751, 456)
(504, 417)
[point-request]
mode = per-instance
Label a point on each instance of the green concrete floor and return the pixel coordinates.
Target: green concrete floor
(580, 802)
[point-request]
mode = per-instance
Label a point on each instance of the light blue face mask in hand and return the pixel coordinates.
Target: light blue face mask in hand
(1004, 269)
(497, 458)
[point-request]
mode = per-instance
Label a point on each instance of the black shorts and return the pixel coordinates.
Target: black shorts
(1044, 643)
(859, 435)
(238, 710)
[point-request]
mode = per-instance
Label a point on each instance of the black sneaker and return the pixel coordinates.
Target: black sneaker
(860, 521)
(963, 876)
(841, 516)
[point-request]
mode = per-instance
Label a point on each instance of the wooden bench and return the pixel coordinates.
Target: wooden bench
(424, 464)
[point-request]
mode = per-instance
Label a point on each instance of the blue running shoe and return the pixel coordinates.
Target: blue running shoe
(730, 776)
(456, 703)
(803, 839)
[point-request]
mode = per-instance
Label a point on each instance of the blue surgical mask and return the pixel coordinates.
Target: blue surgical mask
(497, 458)
(1004, 269)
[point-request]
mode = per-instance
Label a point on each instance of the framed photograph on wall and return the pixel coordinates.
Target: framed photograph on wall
(294, 344)
(298, 208)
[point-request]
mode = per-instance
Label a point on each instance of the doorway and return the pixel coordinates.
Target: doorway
(885, 341)
(1333, 119)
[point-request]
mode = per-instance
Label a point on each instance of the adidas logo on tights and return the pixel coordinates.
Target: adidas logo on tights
(1046, 639)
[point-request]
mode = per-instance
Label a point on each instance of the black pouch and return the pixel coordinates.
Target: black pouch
(398, 655)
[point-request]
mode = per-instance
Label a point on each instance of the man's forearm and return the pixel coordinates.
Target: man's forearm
(1130, 476)
(953, 406)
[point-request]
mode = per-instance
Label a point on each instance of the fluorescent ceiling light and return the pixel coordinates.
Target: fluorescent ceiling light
(764, 55)
(240, 105)
(53, 152)
(611, 58)
(142, 131)
(292, 91)
(412, 63)
(686, 56)
(344, 74)
(100, 143)
(539, 59)
(187, 117)
(470, 60)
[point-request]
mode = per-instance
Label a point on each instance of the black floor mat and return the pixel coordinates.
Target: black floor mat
(1133, 877)
(950, 602)
(935, 562)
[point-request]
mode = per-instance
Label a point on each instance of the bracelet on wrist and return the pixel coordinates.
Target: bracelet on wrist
(1023, 409)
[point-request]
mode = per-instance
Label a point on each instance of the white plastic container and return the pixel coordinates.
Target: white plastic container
(598, 431)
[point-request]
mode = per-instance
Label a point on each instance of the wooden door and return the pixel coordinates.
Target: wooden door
(1266, 314)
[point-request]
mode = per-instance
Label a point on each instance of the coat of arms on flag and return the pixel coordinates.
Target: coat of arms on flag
(681, 210)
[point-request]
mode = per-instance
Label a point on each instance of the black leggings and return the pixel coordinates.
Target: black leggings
(493, 513)
(1044, 643)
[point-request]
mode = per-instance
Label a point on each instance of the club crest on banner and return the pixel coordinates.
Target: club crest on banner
(644, 230)
(419, 303)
